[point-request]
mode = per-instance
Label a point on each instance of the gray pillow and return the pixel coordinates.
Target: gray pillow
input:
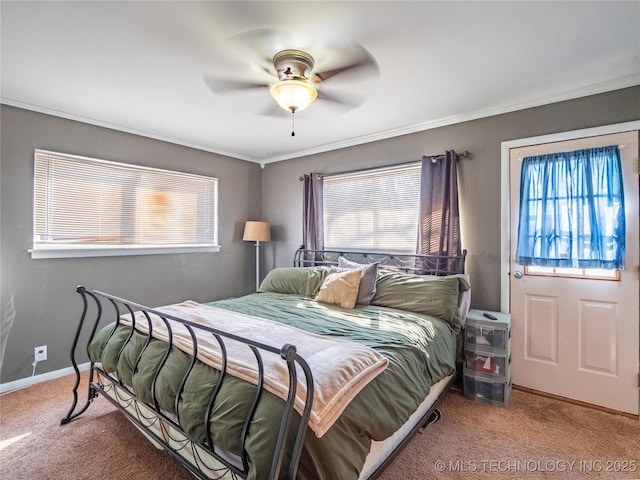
(368, 278)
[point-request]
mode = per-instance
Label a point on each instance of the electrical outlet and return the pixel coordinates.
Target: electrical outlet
(40, 353)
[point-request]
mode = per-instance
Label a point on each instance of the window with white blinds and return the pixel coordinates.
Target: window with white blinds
(373, 209)
(90, 207)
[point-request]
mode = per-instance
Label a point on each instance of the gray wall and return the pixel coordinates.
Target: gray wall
(479, 175)
(43, 291)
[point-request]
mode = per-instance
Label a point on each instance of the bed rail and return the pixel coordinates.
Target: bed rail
(411, 263)
(289, 439)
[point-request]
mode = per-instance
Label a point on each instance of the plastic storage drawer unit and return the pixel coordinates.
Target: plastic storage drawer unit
(487, 356)
(484, 387)
(487, 333)
(490, 362)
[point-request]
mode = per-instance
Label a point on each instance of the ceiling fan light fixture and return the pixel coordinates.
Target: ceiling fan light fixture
(293, 95)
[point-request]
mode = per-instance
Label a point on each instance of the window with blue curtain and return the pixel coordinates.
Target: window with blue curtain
(572, 210)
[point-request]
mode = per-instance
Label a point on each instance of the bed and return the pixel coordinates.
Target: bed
(293, 381)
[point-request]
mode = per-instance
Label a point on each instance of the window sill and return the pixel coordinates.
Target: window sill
(77, 251)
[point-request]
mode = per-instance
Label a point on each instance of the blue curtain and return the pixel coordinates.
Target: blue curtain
(572, 210)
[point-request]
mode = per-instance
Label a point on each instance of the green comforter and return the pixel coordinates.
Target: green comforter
(421, 350)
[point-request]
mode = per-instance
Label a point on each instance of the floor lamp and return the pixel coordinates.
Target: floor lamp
(257, 232)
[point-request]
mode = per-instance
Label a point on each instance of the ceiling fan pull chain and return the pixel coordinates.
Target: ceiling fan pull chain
(293, 123)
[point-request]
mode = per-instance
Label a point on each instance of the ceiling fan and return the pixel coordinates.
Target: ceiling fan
(295, 81)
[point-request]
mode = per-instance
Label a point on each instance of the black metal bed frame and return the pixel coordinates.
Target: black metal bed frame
(181, 447)
(417, 264)
(100, 382)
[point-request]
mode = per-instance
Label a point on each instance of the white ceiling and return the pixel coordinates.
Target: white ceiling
(139, 67)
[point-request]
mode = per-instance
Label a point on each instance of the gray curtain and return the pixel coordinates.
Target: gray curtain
(439, 226)
(312, 216)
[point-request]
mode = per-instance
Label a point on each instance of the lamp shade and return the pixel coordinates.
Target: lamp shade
(256, 232)
(293, 95)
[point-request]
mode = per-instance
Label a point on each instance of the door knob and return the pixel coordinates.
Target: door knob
(517, 274)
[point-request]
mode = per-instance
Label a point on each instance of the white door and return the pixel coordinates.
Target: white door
(578, 337)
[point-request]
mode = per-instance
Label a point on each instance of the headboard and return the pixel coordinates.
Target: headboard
(411, 263)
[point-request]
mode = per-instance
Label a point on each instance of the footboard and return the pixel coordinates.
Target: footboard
(205, 459)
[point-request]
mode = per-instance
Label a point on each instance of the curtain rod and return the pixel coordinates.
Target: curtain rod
(464, 154)
(435, 158)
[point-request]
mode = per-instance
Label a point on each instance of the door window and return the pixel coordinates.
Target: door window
(572, 218)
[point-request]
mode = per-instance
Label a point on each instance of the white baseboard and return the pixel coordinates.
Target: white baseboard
(43, 377)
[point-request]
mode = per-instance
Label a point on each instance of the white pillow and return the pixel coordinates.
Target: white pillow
(340, 288)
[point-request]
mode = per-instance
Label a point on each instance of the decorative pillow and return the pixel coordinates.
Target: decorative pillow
(431, 295)
(368, 279)
(340, 288)
(303, 281)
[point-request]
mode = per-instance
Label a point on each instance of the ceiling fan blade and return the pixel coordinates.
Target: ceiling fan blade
(259, 46)
(347, 101)
(222, 85)
(361, 64)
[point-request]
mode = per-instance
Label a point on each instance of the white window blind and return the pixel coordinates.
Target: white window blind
(373, 209)
(90, 204)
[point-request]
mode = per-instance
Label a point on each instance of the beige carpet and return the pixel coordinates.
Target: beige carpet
(534, 438)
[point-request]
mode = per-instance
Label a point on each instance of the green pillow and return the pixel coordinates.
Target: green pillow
(430, 295)
(305, 281)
